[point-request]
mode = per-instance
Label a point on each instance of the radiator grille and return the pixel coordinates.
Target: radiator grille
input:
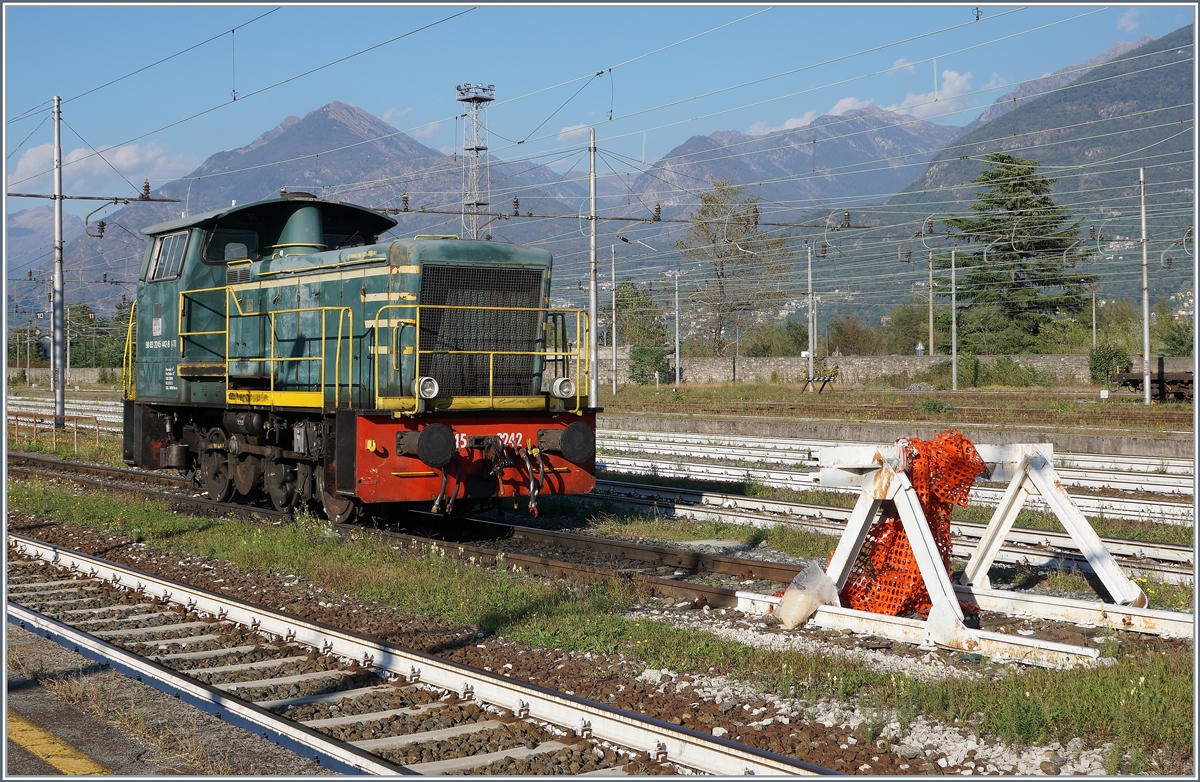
(483, 330)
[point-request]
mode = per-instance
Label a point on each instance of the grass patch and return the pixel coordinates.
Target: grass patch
(108, 452)
(1143, 701)
(787, 539)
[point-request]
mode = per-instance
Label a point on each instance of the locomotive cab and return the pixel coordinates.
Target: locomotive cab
(280, 347)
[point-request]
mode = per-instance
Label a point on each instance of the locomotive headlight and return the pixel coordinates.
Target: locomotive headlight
(563, 388)
(425, 387)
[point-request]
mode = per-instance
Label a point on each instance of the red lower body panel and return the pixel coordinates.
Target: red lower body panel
(508, 468)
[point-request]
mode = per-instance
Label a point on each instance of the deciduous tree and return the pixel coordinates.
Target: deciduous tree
(741, 266)
(640, 319)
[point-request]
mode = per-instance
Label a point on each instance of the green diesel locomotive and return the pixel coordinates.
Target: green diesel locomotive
(279, 346)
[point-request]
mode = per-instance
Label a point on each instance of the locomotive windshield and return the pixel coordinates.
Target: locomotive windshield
(168, 256)
(232, 244)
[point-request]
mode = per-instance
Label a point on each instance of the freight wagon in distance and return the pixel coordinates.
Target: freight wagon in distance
(279, 346)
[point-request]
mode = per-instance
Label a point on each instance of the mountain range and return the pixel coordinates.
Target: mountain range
(819, 165)
(342, 152)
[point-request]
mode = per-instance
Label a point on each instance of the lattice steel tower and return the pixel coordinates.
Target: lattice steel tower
(477, 181)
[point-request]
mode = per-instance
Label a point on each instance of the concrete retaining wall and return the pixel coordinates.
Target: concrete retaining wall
(859, 370)
(1165, 446)
(78, 376)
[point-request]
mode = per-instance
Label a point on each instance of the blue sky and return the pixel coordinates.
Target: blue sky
(676, 71)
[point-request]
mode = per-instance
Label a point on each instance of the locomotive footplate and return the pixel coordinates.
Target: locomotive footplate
(443, 458)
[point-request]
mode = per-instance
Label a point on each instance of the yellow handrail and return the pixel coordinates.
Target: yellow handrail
(183, 304)
(347, 312)
(127, 363)
(556, 316)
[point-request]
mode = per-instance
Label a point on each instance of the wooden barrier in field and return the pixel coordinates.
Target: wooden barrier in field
(34, 424)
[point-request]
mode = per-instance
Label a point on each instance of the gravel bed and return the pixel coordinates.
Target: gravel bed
(829, 734)
(364, 704)
(292, 668)
(518, 734)
(451, 716)
(260, 654)
(336, 681)
(569, 761)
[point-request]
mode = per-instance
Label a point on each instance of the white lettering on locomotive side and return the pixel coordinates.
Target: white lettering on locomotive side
(154, 344)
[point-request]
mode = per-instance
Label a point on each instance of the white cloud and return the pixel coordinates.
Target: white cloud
(573, 133)
(447, 150)
(846, 104)
(427, 131)
(86, 173)
(929, 104)
(996, 81)
(1127, 21)
(391, 115)
(764, 127)
(901, 65)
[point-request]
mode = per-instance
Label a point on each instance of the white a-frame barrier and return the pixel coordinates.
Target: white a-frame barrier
(1029, 471)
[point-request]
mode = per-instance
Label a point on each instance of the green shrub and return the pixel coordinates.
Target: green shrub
(645, 362)
(1107, 358)
(930, 405)
(1003, 371)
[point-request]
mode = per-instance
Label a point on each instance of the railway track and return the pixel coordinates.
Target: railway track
(1037, 548)
(109, 415)
(1177, 418)
(1166, 512)
(747, 584)
(1162, 476)
(1032, 547)
(356, 704)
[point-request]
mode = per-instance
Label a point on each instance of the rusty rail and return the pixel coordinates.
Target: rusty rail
(37, 422)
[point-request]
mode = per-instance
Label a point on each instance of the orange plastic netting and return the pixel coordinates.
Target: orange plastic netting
(885, 578)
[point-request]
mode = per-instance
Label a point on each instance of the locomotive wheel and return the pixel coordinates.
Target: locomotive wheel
(218, 478)
(339, 509)
(247, 472)
(279, 479)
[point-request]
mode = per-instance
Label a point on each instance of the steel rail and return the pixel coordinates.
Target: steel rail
(177, 501)
(1178, 513)
(746, 451)
(1124, 463)
(1038, 548)
(1086, 612)
(1093, 612)
(663, 741)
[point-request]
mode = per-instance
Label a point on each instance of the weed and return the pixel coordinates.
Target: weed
(1142, 699)
(932, 406)
(1137, 761)
(1112, 759)
(108, 452)
(1108, 647)
(873, 726)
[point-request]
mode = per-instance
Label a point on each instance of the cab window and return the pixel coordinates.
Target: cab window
(231, 244)
(168, 256)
